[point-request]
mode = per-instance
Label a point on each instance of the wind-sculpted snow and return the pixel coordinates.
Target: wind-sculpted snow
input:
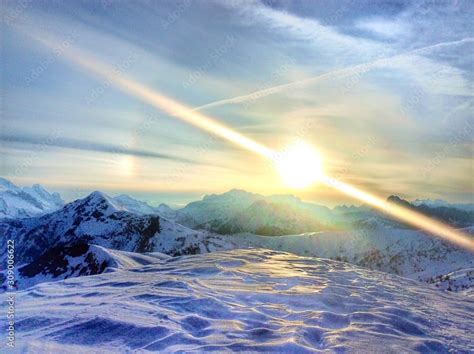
(409, 253)
(76, 259)
(242, 300)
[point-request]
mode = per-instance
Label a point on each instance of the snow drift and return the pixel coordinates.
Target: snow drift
(242, 300)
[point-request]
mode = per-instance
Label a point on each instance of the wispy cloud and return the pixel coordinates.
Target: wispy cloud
(76, 144)
(338, 73)
(384, 27)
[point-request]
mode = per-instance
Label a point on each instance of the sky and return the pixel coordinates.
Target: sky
(382, 89)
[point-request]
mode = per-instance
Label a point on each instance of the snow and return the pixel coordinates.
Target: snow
(134, 206)
(16, 202)
(409, 253)
(442, 203)
(461, 281)
(241, 300)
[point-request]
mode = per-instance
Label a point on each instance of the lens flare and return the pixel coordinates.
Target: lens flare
(298, 161)
(406, 215)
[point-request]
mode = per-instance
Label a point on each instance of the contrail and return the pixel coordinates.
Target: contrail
(338, 73)
(154, 98)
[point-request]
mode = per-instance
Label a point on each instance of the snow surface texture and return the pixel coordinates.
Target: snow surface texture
(409, 253)
(16, 202)
(242, 300)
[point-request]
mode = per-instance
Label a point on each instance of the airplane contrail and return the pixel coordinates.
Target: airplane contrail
(348, 71)
(91, 65)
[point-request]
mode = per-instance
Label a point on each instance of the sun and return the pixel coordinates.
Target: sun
(299, 165)
(126, 166)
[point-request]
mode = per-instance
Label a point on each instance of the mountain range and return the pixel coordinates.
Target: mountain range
(78, 238)
(16, 202)
(95, 220)
(238, 211)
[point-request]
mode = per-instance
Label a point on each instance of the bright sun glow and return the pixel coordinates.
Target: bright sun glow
(299, 165)
(126, 166)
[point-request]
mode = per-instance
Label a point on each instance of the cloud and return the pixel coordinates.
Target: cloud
(84, 145)
(307, 29)
(384, 28)
(403, 58)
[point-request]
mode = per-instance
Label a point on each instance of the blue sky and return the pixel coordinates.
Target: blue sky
(383, 89)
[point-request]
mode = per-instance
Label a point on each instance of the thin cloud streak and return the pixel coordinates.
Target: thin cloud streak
(84, 145)
(338, 73)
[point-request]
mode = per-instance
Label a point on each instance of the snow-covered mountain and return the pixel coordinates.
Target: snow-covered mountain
(101, 220)
(442, 203)
(141, 208)
(273, 218)
(134, 206)
(448, 214)
(243, 300)
(16, 202)
(166, 211)
(215, 207)
(239, 211)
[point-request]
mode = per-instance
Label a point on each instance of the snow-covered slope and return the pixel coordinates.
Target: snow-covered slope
(134, 206)
(243, 300)
(16, 202)
(461, 281)
(100, 220)
(166, 211)
(409, 253)
(141, 208)
(69, 260)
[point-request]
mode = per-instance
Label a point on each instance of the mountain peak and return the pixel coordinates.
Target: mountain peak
(101, 201)
(233, 194)
(123, 197)
(133, 205)
(6, 185)
(21, 202)
(397, 200)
